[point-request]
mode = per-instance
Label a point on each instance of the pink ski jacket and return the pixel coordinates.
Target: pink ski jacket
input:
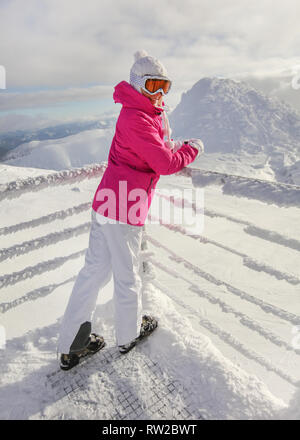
(138, 156)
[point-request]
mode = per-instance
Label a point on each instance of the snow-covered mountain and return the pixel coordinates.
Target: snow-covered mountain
(233, 118)
(9, 141)
(83, 148)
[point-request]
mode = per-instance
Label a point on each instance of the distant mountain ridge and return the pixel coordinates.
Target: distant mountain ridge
(86, 147)
(10, 140)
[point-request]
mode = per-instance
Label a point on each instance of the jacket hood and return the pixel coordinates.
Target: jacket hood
(126, 95)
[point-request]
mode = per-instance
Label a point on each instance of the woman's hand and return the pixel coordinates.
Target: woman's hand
(174, 145)
(196, 143)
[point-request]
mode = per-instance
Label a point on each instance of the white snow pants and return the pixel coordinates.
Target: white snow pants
(113, 250)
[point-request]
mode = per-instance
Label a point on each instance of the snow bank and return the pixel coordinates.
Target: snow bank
(268, 192)
(223, 389)
(21, 186)
(219, 389)
(293, 411)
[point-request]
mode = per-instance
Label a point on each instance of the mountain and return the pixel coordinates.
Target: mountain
(231, 117)
(10, 140)
(80, 149)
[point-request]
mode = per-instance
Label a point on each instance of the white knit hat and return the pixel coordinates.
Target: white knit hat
(146, 65)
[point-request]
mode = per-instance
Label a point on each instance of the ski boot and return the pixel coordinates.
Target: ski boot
(148, 325)
(68, 361)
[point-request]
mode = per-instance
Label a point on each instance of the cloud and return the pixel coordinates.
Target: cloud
(280, 87)
(74, 43)
(11, 101)
(17, 121)
(14, 122)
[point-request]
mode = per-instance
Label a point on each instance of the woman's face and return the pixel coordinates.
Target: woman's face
(155, 99)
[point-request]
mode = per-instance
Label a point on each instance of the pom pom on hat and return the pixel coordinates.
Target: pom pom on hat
(145, 64)
(140, 54)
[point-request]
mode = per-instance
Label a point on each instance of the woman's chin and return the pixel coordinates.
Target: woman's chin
(155, 102)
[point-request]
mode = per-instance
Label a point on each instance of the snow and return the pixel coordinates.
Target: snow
(280, 194)
(241, 129)
(59, 154)
(226, 302)
(226, 390)
(228, 341)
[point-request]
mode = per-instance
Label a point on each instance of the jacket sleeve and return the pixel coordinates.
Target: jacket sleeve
(146, 142)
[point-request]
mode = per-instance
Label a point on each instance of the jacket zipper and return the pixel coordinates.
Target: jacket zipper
(149, 187)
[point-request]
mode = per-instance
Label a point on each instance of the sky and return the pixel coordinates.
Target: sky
(62, 58)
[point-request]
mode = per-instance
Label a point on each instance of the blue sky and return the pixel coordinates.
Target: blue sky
(63, 57)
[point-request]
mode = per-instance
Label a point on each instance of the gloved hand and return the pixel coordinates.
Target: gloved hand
(196, 143)
(174, 145)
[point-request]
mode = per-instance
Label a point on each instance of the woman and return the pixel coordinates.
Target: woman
(137, 157)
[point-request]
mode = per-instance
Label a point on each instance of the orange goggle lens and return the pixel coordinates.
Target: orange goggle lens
(152, 85)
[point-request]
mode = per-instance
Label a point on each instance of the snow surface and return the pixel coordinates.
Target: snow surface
(226, 299)
(227, 302)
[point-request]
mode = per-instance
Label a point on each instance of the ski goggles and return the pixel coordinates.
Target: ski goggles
(151, 84)
(155, 85)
